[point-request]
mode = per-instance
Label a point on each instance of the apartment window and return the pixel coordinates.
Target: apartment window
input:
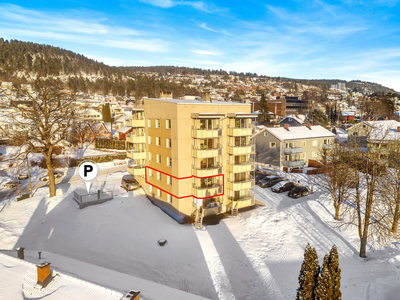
(168, 143)
(169, 180)
(208, 124)
(158, 158)
(158, 141)
(272, 145)
(149, 123)
(149, 140)
(206, 163)
(169, 198)
(159, 176)
(315, 143)
(150, 172)
(240, 123)
(169, 161)
(207, 144)
(150, 156)
(314, 154)
(239, 159)
(168, 124)
(303, 144)
(157, 123)
(240, 141)
(159, 193)
(151, 189)
(207, 182)
(355, 133)
(302, 155)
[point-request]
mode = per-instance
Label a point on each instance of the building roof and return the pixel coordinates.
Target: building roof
(299, 118)
(124, 129)
(299, 132)
(197, 102)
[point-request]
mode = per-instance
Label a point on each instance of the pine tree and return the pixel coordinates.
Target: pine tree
(334, 270)
(264, 110)
(324, 287)
(106, 113)
(308, 274)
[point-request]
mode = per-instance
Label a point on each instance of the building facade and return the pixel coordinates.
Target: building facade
(198, 156)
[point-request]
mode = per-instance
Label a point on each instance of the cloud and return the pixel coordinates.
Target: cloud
(204, 26)
(206, 52)
(199, 5)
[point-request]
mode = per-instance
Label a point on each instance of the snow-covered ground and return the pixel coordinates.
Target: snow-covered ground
(255, 256)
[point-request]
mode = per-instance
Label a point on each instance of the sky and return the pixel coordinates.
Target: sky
(345, 39)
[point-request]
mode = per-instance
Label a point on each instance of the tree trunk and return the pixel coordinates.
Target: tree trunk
(52, 180)
(396, 217)
(363, 246)
(337, 212)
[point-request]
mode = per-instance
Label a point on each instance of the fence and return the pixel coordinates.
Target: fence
(109, 144)
(99, 197)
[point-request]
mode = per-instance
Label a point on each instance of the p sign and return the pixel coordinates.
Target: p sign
(88, 171)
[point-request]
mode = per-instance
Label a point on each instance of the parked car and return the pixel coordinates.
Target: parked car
(263, 182)
(11, 184)
(259, 177)
(299, 191)
(57, 175)
(282, 186)
(273, 182)
(129, 183)
(22, 176)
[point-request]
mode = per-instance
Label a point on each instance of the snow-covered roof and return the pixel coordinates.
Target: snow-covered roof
(124, 129)
(385, 130)
(299, 132)
(299, 118)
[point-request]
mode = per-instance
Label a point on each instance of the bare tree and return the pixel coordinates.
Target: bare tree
(42, 122)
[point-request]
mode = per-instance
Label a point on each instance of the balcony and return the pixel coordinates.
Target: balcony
(209, 191)
(213, 209)
(206, 172)
(136, 154)
(201, 133)
(137, 170)
(293, 150)
(327, 146)
(136, 123)
(237, 131)
(135, 138)
(241, 202)
(293, 163)
(241, 185)
(238, 150)
(240, 167)
(207, 152)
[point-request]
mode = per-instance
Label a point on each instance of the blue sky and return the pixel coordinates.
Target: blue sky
(299, 39)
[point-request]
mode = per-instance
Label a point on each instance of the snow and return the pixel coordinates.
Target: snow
(257, 255)
(300, 132)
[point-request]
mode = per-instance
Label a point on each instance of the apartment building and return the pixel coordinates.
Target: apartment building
(285, 148)
(136, 147)
(199, 156)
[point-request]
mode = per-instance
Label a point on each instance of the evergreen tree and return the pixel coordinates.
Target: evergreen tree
(308, 274)
(264, 110)
(106, 113)
(324, 287)
(334, 270)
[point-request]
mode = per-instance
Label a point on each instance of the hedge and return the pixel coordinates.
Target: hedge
(97, 159)
(110, 144)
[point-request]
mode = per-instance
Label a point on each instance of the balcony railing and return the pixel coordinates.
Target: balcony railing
(242, 198)
(136, 122)
(136, 138)
(247, 183)
(137, 170)
(202, 133)
(327, 146)
(207, 152)
(246, 166)
(240, 131)
(136, 154)
(209, 171)
(293, 163)
(242, 149)
(293, 150)
(208, 191)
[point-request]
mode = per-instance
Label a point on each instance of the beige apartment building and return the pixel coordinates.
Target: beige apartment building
(198, 156)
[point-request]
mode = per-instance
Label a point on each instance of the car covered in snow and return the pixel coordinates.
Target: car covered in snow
(269, 181)
(57, 175)
(129, 183)
(299, 191)
(282, 186)
(22, 176)
(259, 177)
(11, 184)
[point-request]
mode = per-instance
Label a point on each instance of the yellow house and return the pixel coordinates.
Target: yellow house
(198, 156)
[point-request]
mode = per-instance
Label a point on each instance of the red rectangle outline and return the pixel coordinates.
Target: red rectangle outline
(223, 183)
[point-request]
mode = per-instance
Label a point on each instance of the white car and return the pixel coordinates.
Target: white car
(57, 175)
(129, 183)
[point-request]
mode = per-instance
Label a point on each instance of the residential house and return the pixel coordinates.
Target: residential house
(293, 120)
(284, 148)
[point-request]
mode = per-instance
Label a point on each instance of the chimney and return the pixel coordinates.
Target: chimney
(43, 274)
(296, 114)
(206, 97)
(369, 119)
(20, 252)
(398, 128)
(286, 127)
(132, 295)
(309, 126)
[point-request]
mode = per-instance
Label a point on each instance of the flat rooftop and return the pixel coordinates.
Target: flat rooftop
(197, 102)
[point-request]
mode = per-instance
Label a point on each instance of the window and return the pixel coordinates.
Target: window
(149, 140)
(240, 123)
(157, 123)
(240, 141)
(272, 145)
(207, 182)
(159, 176)
(207, 144)
(290, 119)
(208, 124)
(168, 143)
(168, 124)
(150, 156)
(149, 123)
(158, 141)
(169, 198)
(314, 154)
(150, 172)
(355, 133)
(169, 161)
(303, 144)
(265, 133)
(159, 193)
(158, 158)
(315, 143)
(207, 163)
(151, 189)
(302, 155)
(169, 180)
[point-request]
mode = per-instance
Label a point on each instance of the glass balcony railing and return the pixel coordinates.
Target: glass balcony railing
(136, 154)
(207, 191)
(201, 133)
(293, 150)
(207, 171)
(240, 131)
(293, 163)
(241, 149)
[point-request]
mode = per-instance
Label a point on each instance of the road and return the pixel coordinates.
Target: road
(70, 176)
